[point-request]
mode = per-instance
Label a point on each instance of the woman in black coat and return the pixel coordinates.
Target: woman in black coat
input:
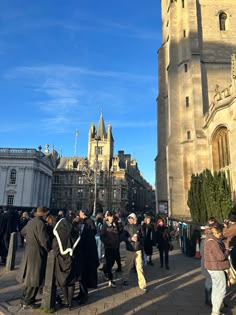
(148, 234)
(163, 240)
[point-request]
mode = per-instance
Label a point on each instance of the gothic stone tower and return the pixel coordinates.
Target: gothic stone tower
(198, 39)
(101, 140)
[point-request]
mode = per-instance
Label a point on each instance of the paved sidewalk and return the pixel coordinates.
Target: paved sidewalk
(178, 291)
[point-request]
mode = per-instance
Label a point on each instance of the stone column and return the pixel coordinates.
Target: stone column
(49, 289)
(11, 257)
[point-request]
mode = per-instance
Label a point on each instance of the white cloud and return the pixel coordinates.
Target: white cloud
(64, 92)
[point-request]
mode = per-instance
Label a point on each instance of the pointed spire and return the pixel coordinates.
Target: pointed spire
(101, 130)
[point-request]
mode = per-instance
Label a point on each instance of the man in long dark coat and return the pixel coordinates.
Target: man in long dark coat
(37, 247)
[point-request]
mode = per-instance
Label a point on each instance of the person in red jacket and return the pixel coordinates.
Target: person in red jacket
(216, 262)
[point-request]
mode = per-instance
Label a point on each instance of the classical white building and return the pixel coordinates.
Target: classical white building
(26, 177)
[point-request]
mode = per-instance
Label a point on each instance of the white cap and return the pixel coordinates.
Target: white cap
(132, 215)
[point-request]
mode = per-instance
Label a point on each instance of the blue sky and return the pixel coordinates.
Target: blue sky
(62, 61)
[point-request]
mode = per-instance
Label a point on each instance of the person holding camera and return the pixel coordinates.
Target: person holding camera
(132, 236)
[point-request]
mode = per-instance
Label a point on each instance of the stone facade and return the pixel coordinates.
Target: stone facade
(199, 40)
(119, 183)
(26, 177)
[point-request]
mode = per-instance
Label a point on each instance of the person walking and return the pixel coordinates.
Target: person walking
(111, 241)
(36, 250)
(216, 262)
(148, 237)
(132, 236)
(163, 241)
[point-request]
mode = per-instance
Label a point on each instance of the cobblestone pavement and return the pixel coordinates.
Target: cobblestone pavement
(178, 291)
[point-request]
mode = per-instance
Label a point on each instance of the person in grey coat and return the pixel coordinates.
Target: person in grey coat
(37, 247)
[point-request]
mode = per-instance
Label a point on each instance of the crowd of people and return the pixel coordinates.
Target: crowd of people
(82, 245)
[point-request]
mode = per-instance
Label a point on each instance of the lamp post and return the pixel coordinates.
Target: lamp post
(97, 138)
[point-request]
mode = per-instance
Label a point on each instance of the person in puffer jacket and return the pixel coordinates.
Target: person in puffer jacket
(216, 262)
(132, 237)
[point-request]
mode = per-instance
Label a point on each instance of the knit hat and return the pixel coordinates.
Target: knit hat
(132, 215)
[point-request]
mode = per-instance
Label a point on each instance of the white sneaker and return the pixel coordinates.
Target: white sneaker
(145, 290)
(111, 284)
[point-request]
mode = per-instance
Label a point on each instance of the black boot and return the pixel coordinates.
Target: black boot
(150, 261)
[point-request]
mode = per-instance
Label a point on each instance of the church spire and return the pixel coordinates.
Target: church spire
(101, 130)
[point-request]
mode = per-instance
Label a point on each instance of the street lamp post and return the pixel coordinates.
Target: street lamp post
(97, 138)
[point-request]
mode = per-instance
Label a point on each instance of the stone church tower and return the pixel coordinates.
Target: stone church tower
(198, 41)
(100, 145)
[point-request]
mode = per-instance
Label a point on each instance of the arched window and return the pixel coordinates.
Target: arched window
(12, 180)
(220, 149)
(222, 21)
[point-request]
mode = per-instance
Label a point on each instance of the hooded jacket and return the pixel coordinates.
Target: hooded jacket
(129, 231)
(215, 254)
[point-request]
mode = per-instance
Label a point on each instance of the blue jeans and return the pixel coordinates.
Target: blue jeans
(218, 278)
(99, 247)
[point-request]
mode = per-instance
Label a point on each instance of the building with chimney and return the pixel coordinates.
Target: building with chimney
(101, 181)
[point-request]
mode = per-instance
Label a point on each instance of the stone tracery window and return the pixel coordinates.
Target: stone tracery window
(220, 149)
(222, 21)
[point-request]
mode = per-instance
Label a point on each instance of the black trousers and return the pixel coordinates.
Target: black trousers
(110, 257)
(29, 295)
(118, 258)
(162, 251)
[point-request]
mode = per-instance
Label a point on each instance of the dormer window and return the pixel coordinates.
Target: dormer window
(222, 21)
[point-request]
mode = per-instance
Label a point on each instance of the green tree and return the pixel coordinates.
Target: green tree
(223, 196)
(191, 198)
(209, 195)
